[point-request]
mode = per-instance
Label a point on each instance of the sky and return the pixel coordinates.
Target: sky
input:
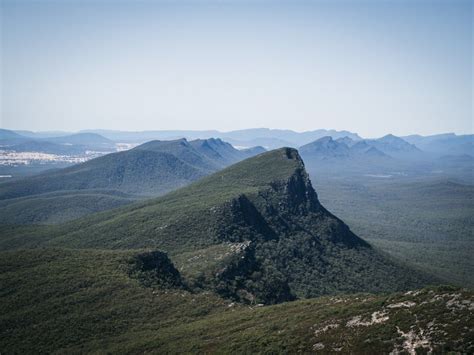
(371, 67)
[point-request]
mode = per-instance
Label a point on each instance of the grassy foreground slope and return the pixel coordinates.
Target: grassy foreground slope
(254, 232)
(77, 301)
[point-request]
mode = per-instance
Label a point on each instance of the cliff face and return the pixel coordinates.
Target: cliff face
(283, 208)
(295, 195)
(295, 247)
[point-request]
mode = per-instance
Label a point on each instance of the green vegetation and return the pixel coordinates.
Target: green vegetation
(60, 207)
(80, 301)
(423, 222)
(154, 268)
(53, 299)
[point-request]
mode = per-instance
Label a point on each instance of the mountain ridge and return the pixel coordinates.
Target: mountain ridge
(327, 148)
(286, 244)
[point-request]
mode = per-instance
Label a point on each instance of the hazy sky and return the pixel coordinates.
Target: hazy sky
(373, 67)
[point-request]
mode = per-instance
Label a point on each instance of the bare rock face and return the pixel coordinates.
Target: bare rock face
(155, 269)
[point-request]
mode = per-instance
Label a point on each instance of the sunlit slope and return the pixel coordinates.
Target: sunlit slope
(187, 218)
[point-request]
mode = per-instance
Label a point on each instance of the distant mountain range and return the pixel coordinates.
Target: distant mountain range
(8, 137)
(48, 147)
(85, 139)
(445, 144)
(391, 144)
(386, 156)
(325, 151)
(327, 148)
(268, 138)
(448, 143)
(65, 144)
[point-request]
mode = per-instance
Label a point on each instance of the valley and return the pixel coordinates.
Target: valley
(428, 223)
